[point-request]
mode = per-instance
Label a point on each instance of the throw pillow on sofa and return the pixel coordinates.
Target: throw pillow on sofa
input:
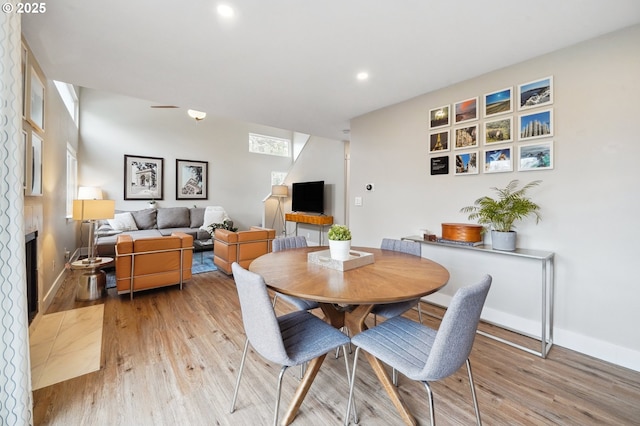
(213, 214)
(123, 222)
(197, 216)
(145, 219)
(173, 217)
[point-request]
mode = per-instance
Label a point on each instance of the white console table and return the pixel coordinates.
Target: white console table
(546, 259)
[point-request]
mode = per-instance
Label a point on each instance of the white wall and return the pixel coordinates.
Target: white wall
(589, 200)
(113, 125)
(320, 159)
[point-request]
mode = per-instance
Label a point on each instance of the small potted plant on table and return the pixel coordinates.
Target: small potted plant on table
(339, 242)
(510, 205)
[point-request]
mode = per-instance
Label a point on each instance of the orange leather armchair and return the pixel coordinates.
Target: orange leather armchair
(146, 263)
(241, 246)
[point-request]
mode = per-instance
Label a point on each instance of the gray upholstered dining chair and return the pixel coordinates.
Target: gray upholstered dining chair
(390, 310)
(288, 243)
(422, 353)
(289, 340)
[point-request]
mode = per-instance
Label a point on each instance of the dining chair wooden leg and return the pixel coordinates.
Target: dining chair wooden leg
(235, 392)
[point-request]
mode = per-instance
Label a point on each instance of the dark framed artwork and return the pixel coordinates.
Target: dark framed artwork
(534, 94)
(466, 110)
(191, 180)
(498, 102)
(440, 165)
(439, 141)
(498, 160)
(439, 117)
(143, 177)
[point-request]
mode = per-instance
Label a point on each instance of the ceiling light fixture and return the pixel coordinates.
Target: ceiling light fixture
(196, 115)
(362, 76)
(225, 11)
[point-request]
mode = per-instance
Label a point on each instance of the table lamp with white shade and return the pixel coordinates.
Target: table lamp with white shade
(92, 209)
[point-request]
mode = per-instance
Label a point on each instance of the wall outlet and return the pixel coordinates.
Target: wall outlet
(358, 201)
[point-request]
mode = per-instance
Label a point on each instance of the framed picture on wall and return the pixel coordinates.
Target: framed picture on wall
(498, 131)
(23, 152)
(498, 160)
(36, 105)
(34, 172)
(23, 71)
(439, 141)
(534, 94)
(439, 117)
(498, 102)
(466, 137)
(466, 163)
(466, 110)
(439, 165)
(191, 180)
(536, 125)
(143, 177)
(535, 156)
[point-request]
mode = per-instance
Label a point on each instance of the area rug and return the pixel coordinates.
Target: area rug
(65, 345)
(202, 262)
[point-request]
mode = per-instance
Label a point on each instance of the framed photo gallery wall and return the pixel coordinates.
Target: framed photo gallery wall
(507, 130)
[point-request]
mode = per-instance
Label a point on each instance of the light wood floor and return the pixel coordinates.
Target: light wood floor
(170, 358)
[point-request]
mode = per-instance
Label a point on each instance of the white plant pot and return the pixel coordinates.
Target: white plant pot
(339, 249)
(505, 241)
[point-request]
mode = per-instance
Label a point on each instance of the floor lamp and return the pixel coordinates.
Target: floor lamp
(92, 210)
(280, 192)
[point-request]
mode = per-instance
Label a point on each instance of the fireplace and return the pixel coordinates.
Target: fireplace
(31, 251)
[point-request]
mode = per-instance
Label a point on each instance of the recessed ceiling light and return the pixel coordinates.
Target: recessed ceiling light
(362, 76)
(225, 11)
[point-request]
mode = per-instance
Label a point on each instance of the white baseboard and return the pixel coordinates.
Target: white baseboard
(51, 294)
(605, 351)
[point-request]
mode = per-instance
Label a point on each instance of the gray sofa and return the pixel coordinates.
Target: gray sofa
(151, 223)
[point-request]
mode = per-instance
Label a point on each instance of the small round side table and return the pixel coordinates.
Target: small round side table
(91, 284)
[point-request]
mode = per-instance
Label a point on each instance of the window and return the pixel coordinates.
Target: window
(270, 145)
(72, 178)
(69, 97)
(278, 177)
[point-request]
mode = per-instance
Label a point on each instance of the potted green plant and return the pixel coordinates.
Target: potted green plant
(339, 242)
(500, 213)
(227, 224)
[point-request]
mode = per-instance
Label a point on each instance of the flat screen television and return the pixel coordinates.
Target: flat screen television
(308, 197)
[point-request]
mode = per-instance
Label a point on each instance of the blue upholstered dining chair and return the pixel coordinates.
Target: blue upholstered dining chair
(422, 353)
(289, 340)
(287, 243)
(390, 310)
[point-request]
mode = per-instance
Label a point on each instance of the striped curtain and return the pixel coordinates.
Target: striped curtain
(15, 375)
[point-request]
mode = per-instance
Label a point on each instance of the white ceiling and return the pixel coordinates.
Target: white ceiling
(292, 63)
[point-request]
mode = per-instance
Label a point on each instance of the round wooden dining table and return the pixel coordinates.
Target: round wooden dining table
(347, 297)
